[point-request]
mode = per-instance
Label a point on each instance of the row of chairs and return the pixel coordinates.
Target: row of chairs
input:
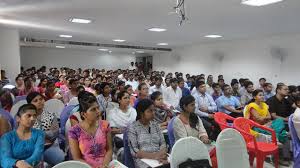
(258, 150)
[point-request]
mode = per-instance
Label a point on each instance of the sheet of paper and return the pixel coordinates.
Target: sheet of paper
(164, 131)
(151, 162)
(116, 164)
(119, 136)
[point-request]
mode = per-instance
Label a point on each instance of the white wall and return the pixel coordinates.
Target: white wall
(235, 59)
(10, 52)
(73, 58)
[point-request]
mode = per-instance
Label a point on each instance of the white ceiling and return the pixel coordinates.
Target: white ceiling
(129, 19)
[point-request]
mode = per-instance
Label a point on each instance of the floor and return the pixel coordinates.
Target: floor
(268, 165)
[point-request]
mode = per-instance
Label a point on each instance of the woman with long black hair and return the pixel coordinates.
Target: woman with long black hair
(188, 123)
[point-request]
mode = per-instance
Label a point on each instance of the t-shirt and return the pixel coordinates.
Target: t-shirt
(227, 101)
(282, 108)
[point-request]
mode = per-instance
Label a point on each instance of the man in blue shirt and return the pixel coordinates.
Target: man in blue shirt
(205, 109)
(268, 88)
(185, 91)
(229, 104)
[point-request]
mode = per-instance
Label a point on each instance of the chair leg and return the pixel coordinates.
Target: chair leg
(251, 158)
(260, 159)
(276, 159)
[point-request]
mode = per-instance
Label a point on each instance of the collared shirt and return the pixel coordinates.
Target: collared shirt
(215, 96)
(209, 89)
(242, 90)
(133, 83)
(185, 91)
(204, 101)
(282, 108)
(131, 67)
(104, 103)
(246, 97)
(227, 101)
(154, 89)
(268, 95)
(172, 97)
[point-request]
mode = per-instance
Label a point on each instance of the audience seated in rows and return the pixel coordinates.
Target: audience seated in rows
(117, 92)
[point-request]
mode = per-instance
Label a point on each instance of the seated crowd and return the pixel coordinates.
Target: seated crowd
(134, 103)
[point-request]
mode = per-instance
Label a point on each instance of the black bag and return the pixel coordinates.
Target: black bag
(204, 163)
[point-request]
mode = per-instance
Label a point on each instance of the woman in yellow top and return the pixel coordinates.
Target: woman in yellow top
(258, 111)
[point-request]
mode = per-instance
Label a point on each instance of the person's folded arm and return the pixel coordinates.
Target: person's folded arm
(231, 109)
(36, 156)
(197, 110)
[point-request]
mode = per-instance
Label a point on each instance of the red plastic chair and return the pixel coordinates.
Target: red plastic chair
(222, 119)
(257, 149)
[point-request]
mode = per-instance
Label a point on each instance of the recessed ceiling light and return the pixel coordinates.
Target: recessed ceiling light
(213, 36)
(156, 29)
(119, 40)
(60, 46)
(78, 20)
(140, 51)
(259, 2)
(110, 51)
(65, 36)
(133, 52)
(163, 44)
(103, 49)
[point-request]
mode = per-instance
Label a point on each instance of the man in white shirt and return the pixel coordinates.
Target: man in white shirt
(131, 66)
(158, 86)
(210, 81)
(132, 82)
(172, 94)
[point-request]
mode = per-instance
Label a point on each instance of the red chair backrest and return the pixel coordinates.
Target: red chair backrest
(222, 119)
(244, 125)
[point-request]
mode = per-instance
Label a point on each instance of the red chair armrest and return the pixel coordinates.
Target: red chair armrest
(267, 129)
